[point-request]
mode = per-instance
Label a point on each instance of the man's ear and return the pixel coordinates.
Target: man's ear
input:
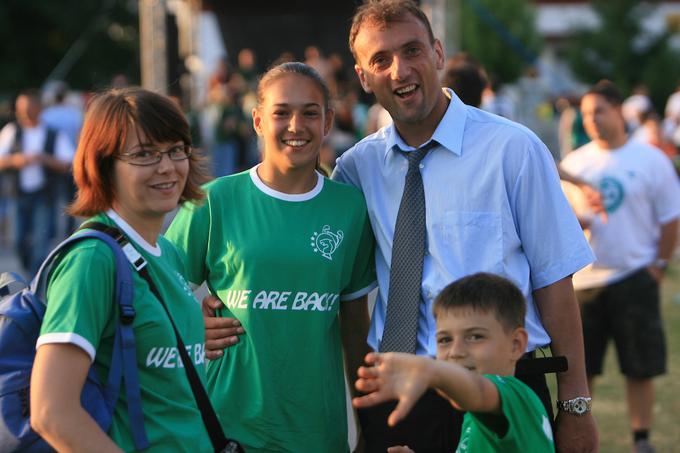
(519, 339)
(440, 58)
(362, 78)
(257, 121)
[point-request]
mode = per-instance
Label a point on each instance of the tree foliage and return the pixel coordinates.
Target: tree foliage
(622, 51)
(501, 35)
(37, 34)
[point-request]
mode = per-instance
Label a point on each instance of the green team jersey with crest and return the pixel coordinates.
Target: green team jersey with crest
(281, 264)
(81, 310)
(523, 418)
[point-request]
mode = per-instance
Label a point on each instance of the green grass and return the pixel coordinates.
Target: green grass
(609, 404)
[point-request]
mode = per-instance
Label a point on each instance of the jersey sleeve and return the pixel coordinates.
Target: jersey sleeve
(522, 417)
(80, 297)
(189, 233)
(363, 278)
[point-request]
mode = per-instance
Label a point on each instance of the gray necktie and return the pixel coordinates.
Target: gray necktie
(406, 269)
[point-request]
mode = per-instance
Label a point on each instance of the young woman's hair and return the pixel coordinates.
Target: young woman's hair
(486, 293)
(113, 116)
(295, 67)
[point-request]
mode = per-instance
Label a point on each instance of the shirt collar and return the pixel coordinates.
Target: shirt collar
(449, 131)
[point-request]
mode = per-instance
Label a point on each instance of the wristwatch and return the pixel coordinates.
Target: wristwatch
(577, 406)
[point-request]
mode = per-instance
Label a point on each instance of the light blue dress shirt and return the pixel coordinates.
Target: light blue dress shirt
(493, 204)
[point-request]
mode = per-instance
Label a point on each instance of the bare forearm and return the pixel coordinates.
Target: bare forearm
(562, 319)
(6, 163)
(57, 380)
(469, 391)
(55, 164)
(354, 322)
(72, 430)
(668, 240)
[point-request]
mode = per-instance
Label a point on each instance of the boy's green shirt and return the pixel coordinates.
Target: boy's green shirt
(528, 426)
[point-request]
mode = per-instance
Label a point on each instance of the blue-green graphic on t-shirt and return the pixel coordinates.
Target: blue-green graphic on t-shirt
(612, 193)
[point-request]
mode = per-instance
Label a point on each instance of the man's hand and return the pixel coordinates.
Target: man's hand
(400, 449)
(594, 199)
(656, 273)
(576, 433)
(220, 333)
(21, 160)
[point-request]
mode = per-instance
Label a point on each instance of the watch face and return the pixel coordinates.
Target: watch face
(580, 406)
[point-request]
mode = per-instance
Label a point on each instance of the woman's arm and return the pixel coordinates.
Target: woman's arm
(57, 381)
(354, 322)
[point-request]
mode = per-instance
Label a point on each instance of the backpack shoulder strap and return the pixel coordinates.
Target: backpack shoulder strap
(124, 361)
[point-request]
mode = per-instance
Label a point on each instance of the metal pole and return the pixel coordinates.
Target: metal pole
(454, 33)
(153, 45)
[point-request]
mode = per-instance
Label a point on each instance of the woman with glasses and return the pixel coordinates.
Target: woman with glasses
(133, 165)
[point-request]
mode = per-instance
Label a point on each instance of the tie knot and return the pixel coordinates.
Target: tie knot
(414, 157)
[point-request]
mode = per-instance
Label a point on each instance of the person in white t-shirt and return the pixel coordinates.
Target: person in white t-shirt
(619, 293)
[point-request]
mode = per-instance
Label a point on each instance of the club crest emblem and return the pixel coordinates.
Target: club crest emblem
(326, 242)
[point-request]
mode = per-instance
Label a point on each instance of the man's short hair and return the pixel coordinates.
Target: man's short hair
(487, 293)
(34, 94)
(607, 90)
(385, 12)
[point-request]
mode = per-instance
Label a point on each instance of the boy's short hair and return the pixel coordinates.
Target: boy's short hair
(487, 293)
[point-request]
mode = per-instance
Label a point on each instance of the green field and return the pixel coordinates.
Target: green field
(609, 404)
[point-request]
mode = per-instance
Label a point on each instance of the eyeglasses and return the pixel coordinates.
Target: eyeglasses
(145, 157)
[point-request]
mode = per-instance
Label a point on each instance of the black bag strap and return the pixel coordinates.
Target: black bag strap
(50, 141)
(212, 424)
(17, 146)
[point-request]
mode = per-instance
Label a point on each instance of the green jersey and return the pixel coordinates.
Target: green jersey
(81, 310)
(523, 421)
(282, 264)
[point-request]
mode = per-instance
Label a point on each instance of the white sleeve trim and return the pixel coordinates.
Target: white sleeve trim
(361, 292)
(67, 337)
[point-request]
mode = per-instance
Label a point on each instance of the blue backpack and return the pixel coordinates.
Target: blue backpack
(21, 315)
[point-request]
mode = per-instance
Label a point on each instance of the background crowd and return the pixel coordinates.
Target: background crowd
(222, 127)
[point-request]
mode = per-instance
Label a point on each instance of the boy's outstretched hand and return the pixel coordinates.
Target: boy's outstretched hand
(390, 376)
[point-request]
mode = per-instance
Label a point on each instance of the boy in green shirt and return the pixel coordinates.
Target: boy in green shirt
(480, 337)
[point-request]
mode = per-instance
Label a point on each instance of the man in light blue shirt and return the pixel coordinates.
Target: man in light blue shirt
(493, 202)
(492, 195)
